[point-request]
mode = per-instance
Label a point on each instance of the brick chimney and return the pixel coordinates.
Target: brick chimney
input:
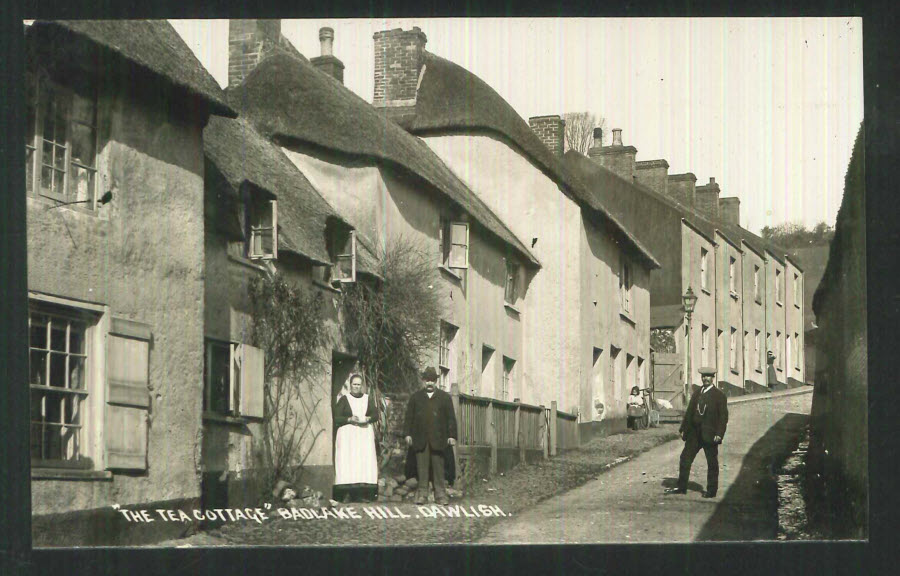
(730, 210)
(654, 174)
(617, 157)
(249, 43)
(399, 62)
(551, 130)
(682, 187)
(327, 62)
(708, 198)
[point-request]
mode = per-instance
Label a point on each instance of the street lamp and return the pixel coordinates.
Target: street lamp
(689, 300)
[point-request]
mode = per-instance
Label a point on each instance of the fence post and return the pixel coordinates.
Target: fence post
(545, 439)
(553, 428)
(518, 431)
(454, 397)
(492, 437)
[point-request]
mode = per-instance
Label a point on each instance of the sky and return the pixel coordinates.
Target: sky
(770, 108)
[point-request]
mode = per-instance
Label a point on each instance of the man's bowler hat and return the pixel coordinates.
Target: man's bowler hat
(429, 374)
(707, 371)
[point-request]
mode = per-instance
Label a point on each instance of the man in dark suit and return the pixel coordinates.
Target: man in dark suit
(703, 426)
(430, 427)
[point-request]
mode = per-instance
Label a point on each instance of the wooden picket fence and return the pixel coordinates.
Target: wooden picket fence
(491, 423)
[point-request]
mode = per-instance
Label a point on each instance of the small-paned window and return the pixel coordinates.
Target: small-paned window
(512, 281)
(262, 226)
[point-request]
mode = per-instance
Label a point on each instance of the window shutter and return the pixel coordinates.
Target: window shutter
(252, 380)
(346, 260)
(127, 395)
(459, 245)
(234, 378)
(274, 229)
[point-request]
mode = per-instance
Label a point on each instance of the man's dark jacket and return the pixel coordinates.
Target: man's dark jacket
(430, 420)
(712, 423)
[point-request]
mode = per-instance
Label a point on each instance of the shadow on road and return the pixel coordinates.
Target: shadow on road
(749, 510)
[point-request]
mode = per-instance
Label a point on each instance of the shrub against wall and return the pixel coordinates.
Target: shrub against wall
(393, 325)
(289, 326)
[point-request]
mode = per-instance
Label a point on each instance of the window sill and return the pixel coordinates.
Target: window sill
(797, 306)
(222, 419)
(734, 295)
(64, 474)
(327, 287)
(734, 371)
(758, 300)
(449, 271)
(626, 317)
(777, 303)
(512, 308)
(52, 202)
(243, 261)
(758, 370)
(705, 291)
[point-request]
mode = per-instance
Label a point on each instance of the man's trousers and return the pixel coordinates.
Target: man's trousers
(692, 445)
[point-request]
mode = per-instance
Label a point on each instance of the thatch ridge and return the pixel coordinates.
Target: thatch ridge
(452, 99)
(289, 99)
(153, 45)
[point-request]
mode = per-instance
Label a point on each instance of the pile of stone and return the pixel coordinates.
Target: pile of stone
(399, 488)
(305, 497)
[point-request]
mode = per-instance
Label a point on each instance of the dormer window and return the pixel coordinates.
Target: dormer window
(345, 258)
(455, 245)
(342, 251)
(262, 228)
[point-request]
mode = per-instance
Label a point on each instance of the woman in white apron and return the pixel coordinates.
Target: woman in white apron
(355, 462)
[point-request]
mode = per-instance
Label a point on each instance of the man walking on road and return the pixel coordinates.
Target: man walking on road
(703, 426)
(430, 430)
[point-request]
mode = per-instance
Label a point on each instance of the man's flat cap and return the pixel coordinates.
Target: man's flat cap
(429, 374)
(707, 371)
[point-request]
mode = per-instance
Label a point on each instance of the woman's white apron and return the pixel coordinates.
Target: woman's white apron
(354, 452)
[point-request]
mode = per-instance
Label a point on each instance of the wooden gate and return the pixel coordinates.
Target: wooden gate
(668, 378)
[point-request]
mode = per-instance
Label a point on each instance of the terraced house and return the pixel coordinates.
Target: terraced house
(115, 184)
(585, 316)
(742, 310)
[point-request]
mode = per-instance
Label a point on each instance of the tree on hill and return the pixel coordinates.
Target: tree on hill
(796, 235)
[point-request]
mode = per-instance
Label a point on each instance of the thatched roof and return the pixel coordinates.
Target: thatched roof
(610, 189)
(242, 155)
(288, 99)
(153, 45)
(452, 99)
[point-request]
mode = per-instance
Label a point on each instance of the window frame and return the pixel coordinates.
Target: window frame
(238, 379)
(449, 247)
(446, 349)
(45, 88)
(732, 276)
(252, 207)
(626, 284)
(511, 292)
(83, 454)
(779, 294)
(756, 283)
(779, 364)
(732, 350)
(704, 345)
(704, 269)
(507, 381)
(343, 255)
(756, 335)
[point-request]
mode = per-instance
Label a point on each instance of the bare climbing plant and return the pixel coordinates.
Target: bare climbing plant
(288, 324)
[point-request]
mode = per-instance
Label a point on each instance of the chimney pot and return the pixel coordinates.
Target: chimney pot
(326, 40)
(617, 137)
(598, 137)
(712, 180)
